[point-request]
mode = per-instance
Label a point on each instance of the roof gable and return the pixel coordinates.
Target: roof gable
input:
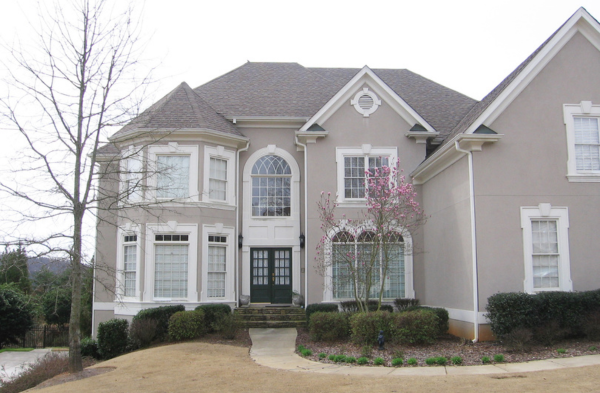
(367, 77)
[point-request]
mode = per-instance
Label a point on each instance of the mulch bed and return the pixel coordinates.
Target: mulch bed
(448, 347)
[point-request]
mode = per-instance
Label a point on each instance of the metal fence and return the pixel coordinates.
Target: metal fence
(43, 336)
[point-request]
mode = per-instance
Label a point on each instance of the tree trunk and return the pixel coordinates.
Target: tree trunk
(75, 364)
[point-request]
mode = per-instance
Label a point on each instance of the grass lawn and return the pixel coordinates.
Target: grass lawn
(16, 350)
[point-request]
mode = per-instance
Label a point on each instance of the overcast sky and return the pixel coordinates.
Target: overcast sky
(469, 46)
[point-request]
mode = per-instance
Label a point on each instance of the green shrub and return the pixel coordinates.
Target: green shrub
(441, 313)
(365, 327)
(518, 340)
(456, 360)
(561, 351)
(112, 338)
(89, 347)
(320, 307)
(226, 325)
(441, 360)
(331, 357)
(430, 361)
(378, 361)
(412, 362)
(350, 359)
(404, 304)
(142, 332)
(339, 358)
(322, 355)
(485, 360)
(362, 360)
(301, 348)
(593, 348)
(499, 358)
(187, 325)
(16, 314)
(328, 326)
(351, 306)
(306, 352)
(212, 313)
(397, 362)
(416, 327)
(591, 325)
(161, 315)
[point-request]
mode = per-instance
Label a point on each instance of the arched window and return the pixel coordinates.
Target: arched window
(356, 258)
(271, 179)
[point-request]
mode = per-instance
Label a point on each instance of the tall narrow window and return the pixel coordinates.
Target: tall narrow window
(271, 183)
(218, 179)
(171, 266)
(129, 264)
(217, 265)
(587, 143)
(545, 253)
(173, 174)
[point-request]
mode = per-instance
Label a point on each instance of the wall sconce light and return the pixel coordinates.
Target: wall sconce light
(302, 239)
(240, 240)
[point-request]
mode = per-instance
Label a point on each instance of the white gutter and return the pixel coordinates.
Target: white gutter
(473, 242)
(305, 221)
(237, 221)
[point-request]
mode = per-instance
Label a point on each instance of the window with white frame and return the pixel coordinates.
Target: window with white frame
(219, 166)
(129, 265)
(171, 265)
(173, 171)
(133, 178)
(271, 187)
(353, 163)
(217, 266)
(583, 137)
(546, 248)
(354, 258)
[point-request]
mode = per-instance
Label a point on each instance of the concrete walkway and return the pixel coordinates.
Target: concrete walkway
(13, 363)
(275, 348)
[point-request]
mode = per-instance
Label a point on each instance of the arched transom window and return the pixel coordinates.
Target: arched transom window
(356, 258)
(271, 179)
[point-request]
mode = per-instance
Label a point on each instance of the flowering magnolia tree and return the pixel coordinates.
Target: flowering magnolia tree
(361, 254)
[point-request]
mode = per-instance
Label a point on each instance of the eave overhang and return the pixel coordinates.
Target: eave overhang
(448, 154)
(153, 135)
(268, 121)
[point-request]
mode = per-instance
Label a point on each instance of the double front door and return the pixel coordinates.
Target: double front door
(271, 275)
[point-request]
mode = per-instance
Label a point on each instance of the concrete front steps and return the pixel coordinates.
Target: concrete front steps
(271, 316)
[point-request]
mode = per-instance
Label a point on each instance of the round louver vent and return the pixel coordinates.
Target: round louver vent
(365, 102)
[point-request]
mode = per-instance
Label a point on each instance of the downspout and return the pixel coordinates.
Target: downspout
(237, 221)
(473, 242)
(305, 221)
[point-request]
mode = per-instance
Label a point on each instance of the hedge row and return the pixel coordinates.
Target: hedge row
(570, 310)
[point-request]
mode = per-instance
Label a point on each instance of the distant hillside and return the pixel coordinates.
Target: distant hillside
(54, 265)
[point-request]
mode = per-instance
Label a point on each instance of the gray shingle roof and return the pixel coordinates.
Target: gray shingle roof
(182, 108)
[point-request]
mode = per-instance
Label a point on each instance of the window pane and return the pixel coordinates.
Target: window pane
(587, 143)
(171, 266)
(173, 176)
(271, 194)
(218, 179)
(545, 253)
(354, 177)
(129, 269)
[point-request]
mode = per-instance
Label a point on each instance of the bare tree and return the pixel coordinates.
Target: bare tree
(64, 96)
(360, 254)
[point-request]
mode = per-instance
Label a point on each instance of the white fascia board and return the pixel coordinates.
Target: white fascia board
(267, 121)
(380, 88)
(581, 22)
(152, 135)
(448, 155)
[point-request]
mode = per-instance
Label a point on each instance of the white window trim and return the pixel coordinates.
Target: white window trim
(221, 153)
(172, 227)
(219, 230)
(131, 153)
(175, 149)
(364, 151)
(127, 230)
(545, 211)
(570, 111)
(409, 291)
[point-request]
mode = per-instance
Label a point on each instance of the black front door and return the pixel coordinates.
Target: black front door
(271, 275)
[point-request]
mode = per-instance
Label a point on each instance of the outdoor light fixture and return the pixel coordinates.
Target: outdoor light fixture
(302, 238)
(240, 240)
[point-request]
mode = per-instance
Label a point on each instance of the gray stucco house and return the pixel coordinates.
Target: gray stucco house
(511, 183)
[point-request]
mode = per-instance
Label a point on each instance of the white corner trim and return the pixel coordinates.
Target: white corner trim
(379, 87)
(448, 155)
(581, 22)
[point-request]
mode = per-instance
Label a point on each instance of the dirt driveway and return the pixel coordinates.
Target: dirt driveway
(201, 367)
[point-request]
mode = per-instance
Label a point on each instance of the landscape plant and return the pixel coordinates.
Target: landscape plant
(112, 338)
(485, 360)
(362, 360)
(412, 362)
(456, 360)
(397, 362)
(16, 314)
(161, 315)
(378, 361)
(328, 326)
(187, 325)
(499, 358)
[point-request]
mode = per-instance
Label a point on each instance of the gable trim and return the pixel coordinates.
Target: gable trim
(379, 87)
(581, 22)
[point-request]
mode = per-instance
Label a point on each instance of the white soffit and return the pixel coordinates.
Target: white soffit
(379, 87)
(581, 22)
